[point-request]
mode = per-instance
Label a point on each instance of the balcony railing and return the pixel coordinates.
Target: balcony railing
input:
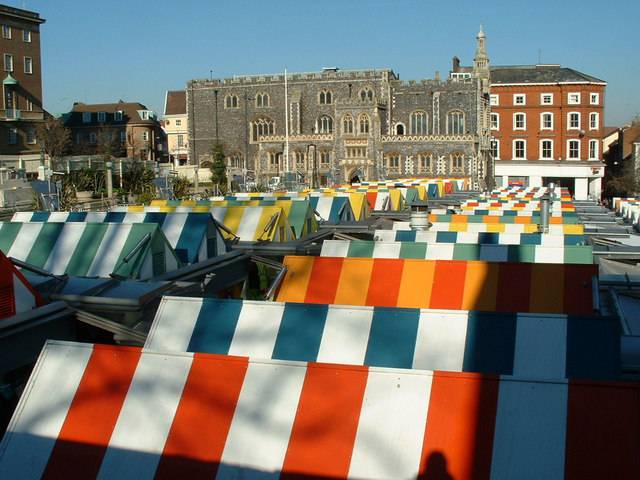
(16, 114)
(12, 114)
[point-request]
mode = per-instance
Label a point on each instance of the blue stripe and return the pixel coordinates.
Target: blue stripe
(405, 236)
(335, 208)
(191, 237)
(155, 217)
(300, 332)
(446, 237)
(392, 339)
(593, 348)
(39, 217)
(314, 202)
(115, 217)
(490, 343)
(488, 238)
(215, 326)
(76, 216)
(531, 239)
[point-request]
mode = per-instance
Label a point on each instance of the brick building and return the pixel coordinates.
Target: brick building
(547, 126)
(21, 110)
(342, 125)
(122, 129)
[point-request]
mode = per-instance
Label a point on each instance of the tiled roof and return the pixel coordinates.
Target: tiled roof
(539, 74)
(129, 112)
(176, 103)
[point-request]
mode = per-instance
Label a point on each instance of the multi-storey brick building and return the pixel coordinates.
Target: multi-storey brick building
(120, 129)
(547, 126)
(174, 122)
(21, 110)
(343, 125)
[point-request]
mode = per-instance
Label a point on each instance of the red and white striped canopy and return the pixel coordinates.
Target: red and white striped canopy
(16, 294)
(119, 412)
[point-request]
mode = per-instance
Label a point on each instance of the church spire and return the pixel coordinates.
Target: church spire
(481, 59)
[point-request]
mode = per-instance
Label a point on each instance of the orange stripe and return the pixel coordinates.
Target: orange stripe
(460, 426)
(491, 219)
(385, 282)
(326, 423)
(371, 199)
(93, 413)
(523, 220)
(480, 287)
(354, 281)
(200, 426)
(416, 283)
(324, 280)
(555, 220)
(547, 288)
(457, 218)
(448, 284)
(294, 286)
(578, 295)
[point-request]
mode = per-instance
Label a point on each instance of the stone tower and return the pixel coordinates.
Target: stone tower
(484, 179)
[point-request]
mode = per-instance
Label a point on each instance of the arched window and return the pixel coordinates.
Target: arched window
(363, 123)
(455, 122)
(262, 127)
(274, 161)
(234, 160)
(299, 159)
(347, 124)
(366, 94)
(231, 101)
(324, 124)
(418, 124)
(457, 163)
(325, 159)
(325, 97)
(262, 100)
(393, 163)
(399, 129)
(425, 162)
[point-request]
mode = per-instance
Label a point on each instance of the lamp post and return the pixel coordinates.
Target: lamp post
(311, 156)
(109, 179)
(246, 139)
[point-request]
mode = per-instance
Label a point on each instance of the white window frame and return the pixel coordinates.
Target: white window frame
(86, 117)
(118, 116)
(542, 127)
(497, 143)
(26, 36)
(569, 127)
(541, 152)
(6, 32)
(569, 157)
(571, 102)
(517, 96)
(524, 123)
(543, 96)
(93, 138)
(494, 99)
(178, 122)
(593, 115)
(29, 105)
(145, 136)
(495, 116)
(594, 98)
(513, 153)
(28, 61)
(31, 136)
(102, 117)
(8, 65)
(144, 114)
(595, 150)
(180, 140)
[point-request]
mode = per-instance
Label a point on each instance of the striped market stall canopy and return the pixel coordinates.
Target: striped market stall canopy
(193, 236)
(124, 413)
(333, 209)
(517, 213)
(544, 239)
(577, 229)
(16, 294)
(520, 219)
(138, 250)
(548, 346)
(449, 284)
(357, 201)
(250, 224)
(451, 251)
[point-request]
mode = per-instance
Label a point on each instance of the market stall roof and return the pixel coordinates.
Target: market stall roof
(490, 238)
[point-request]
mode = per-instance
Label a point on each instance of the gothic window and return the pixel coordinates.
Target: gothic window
(262, 127)
(457, 163)
(274, 161)
(418, 123)
(298, 158)
(363, 122)
(455, 122)
(366, 94)
(262, 100)
(325, 97)
(234, 160)
(324, 124)
(325, 159)
(231, 101)
(393, 163)
(425, 162)
(399, 129)
(347, 124)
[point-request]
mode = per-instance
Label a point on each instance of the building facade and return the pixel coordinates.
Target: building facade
(336, 126)
(21, 110)
(122, 129)
(547, 127)
(175, 125)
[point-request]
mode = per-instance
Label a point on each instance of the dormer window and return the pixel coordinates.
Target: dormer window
(102, 117)
(118, 116)
(144, 114)
(86, 117)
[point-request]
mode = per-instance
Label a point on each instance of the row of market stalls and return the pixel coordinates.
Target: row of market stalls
(394, 353)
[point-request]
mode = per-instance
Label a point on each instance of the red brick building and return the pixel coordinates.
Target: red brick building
(547, 126)
(21, 109)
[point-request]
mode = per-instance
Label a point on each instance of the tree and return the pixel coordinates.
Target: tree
(54, 137)
(218, 168)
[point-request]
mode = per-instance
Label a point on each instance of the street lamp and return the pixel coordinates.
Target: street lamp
(311, 156)
(246, 139)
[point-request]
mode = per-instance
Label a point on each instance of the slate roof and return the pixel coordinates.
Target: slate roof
(176, 103)
(129, 109)
(539, 74)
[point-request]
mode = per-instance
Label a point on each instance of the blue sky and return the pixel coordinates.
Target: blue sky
(137, 49)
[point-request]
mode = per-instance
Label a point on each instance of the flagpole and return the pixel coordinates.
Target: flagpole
(286, 123)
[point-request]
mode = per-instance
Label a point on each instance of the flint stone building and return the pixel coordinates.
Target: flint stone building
(345, 125)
